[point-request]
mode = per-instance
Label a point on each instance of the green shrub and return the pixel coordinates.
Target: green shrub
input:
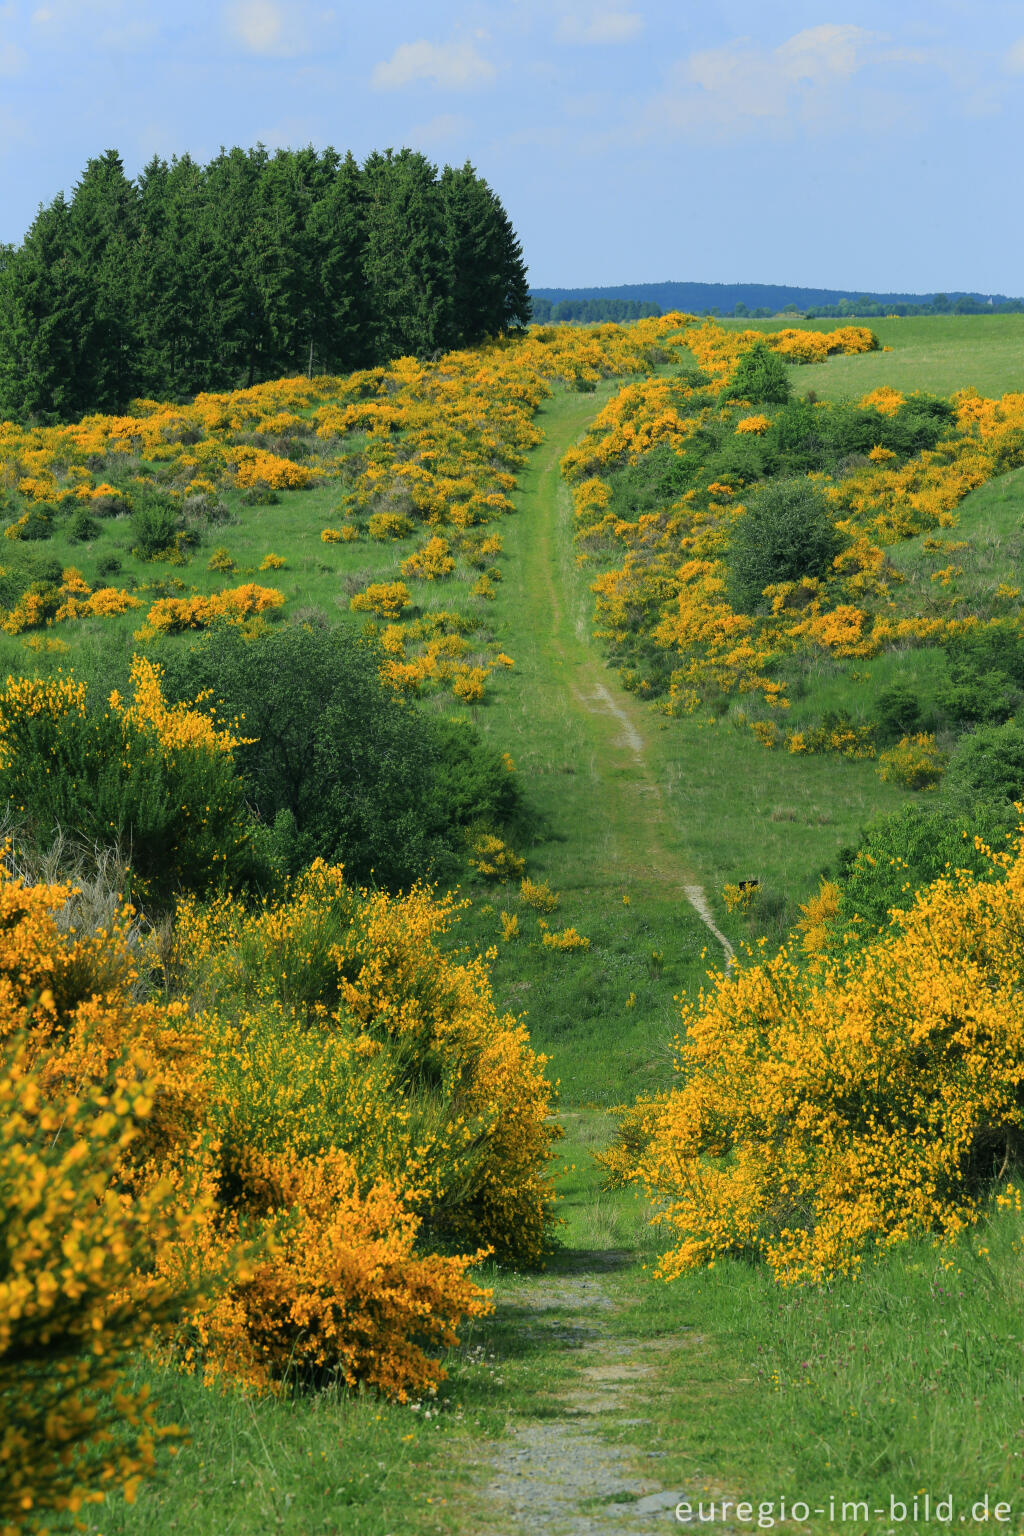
(985, 675)
(787, 532)
(897, 711)
(760, 376)
(987, 765)
(177, 814)
(20, 567)
(906, 850)
(82, 527)
(368, 780)
(37, 525)
(154, 524)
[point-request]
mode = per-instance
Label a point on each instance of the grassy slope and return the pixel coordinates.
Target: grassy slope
(939, 354)
(616, 826)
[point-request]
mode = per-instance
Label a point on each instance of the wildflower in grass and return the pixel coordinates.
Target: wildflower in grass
(915, 762)
(738, 898)
(509, 926)
(565, 939)
(495, 860)
(816, 916)
(273, 563)
(385, 599)
(538, 895)
(431, 562)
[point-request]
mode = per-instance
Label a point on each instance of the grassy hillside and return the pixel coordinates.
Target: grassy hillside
(940, 354)
(595, 1385)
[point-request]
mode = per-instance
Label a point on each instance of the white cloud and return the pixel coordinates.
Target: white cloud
(1014, 59)
(602, 27)
(451, 66)
(742, 85)
(264, 27)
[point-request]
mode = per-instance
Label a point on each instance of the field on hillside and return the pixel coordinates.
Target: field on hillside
(606, 661)
(941, 353)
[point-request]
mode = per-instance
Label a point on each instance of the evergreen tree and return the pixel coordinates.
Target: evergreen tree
(408, 266)
(103, 228)
(46, 302)
(340, 325)
(250, 268)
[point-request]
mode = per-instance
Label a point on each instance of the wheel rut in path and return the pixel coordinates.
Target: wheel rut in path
(642, 837)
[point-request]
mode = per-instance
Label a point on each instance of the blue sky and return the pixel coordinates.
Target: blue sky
(857, 145)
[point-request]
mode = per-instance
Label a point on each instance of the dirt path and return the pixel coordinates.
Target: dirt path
(641, 836)
(581, 1466)
(562, 1476)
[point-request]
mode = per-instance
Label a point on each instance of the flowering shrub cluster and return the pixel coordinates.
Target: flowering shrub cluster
(915, 761)
(99, 1098)
(155, 780)
(663, 480)
(341, 1091)
(855, 1102)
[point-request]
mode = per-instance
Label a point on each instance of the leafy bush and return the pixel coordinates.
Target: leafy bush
(985, 674)
(907, 850)
(987, 765)
(760, 376)
(786, 532)
(897, 711)
(915, 762)
(828, 1109)
(370, 781)
(21, 568)
(157, 783)
(82, 527)
(34, 525)
(155, 523)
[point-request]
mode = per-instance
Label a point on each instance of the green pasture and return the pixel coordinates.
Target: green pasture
(935, 353)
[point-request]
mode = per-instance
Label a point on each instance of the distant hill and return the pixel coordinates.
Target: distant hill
(757, 299)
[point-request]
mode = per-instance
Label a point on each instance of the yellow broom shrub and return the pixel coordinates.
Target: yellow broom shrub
(853, 1104)
(97, 1094)
(344, 1025)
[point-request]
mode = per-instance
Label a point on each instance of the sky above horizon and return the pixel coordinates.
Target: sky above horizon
(860, 145)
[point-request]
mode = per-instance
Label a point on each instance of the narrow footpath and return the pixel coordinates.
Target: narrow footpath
(585, 1465)
(632, 826)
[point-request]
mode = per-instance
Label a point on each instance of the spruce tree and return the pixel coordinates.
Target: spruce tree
(340, 307)
(46, 305)
(103, 226)
(408, 266)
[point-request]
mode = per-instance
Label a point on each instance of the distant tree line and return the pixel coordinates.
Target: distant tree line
(941, 304)
(584, 311)
(762, 301)
(195, 277)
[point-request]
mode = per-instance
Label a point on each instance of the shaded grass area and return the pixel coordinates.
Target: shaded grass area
(939, 354)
